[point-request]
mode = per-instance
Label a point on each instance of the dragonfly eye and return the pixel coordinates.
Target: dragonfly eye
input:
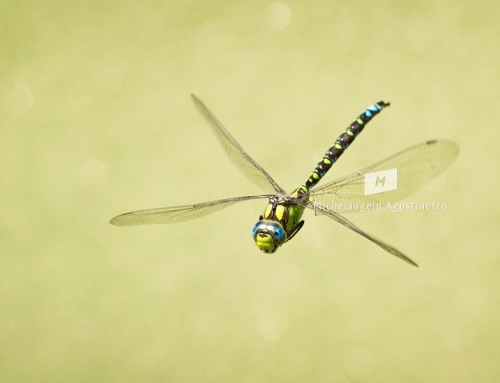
(278, 234)
(259, 226)
(268, 235)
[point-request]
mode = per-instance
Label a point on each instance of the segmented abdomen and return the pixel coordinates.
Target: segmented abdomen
(342, 143)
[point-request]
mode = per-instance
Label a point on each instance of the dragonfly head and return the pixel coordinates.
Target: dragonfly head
(268, 235)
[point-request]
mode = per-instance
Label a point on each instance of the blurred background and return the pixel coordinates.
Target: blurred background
(96, 120)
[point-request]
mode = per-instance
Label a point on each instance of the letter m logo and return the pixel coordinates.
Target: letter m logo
(381, 182)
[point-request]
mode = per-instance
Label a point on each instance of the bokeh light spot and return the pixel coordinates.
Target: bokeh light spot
(273, 324)
(93, 173)
(278, 15)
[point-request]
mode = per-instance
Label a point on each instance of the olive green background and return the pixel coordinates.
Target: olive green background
(96, 120)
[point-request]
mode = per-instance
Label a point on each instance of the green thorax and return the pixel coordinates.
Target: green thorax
(282, 209)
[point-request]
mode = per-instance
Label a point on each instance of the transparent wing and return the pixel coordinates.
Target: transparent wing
(236, 153)
(177, 214)
(415, 166)
(344, 221)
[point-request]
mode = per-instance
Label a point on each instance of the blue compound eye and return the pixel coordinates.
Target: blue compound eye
(279, 233)
(261, 225)
(254, 229)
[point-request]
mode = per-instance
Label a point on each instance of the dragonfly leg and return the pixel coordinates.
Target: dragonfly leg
(295, 230)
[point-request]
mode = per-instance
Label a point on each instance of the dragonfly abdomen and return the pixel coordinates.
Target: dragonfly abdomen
(342, 143)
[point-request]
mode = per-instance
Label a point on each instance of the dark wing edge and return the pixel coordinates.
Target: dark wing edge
(236, 153)
(177, 214)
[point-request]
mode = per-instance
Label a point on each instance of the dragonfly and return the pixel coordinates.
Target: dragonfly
(281, 220)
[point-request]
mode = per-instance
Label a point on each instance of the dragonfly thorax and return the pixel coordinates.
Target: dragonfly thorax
(285, 211)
